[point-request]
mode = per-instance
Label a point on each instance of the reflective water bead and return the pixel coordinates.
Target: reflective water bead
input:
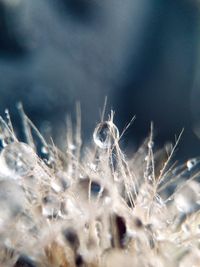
(50, 207)
(6, 136)
(105, 134)
(191, 163)
(95, 188)
(12, 200)
(186, 200)
(44, 150)
(17, 159)
(150, 144)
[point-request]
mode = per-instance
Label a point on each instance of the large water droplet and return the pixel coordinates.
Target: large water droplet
(17, 159)
(44, 150)
(50, 207)
(105, 134)
(186, 199)
(191, 163)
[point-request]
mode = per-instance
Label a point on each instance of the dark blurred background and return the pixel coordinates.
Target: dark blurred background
(142, 54)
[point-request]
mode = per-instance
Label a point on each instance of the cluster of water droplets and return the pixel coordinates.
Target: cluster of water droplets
(69, 191)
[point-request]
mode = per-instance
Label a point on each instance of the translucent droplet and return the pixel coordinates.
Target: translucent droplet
(150, 144)
(4, 142)
(17, 159)
(6, 135)
(50, 207)
(95, 188)
(108, 200)
(63, 180)
(93, 167)
(191, 163)
(105, 134)
(56, 186)
(44, 150)
(186, 199)
(72, 147)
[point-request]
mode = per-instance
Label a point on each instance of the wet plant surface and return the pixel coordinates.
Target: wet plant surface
(93, 206)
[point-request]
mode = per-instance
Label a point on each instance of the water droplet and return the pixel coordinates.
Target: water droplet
(108, 200)
(56, 186)
(93, 167)
(185, 200)
(72, 147)
(4, 142)
(150, 144)
(17, 159)
(191, 163)
(159, 200)
(50, 207)
(105, 134)
(95, 188)
(44, 150)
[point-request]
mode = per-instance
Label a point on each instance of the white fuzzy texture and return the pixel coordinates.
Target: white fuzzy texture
(97, 209)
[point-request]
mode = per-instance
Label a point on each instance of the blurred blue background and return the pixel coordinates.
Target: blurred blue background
(142, 54)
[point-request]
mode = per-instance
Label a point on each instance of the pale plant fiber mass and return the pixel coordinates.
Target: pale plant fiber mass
(94, 207)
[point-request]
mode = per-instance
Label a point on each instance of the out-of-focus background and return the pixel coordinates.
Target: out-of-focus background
(142, 54)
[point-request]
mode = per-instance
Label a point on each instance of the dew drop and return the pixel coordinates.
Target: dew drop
(107, 201)
(50, 207)
(6, 136)
(95, 188)
(17, 159)
(44, 150)
(93, 167)
(186, 199)
(4, 142)
(150, 144)
(191, 163)
(72, 147)
(105, 134)
(56, 186)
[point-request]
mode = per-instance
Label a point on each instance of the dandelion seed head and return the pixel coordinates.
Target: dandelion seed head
(95, 207)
